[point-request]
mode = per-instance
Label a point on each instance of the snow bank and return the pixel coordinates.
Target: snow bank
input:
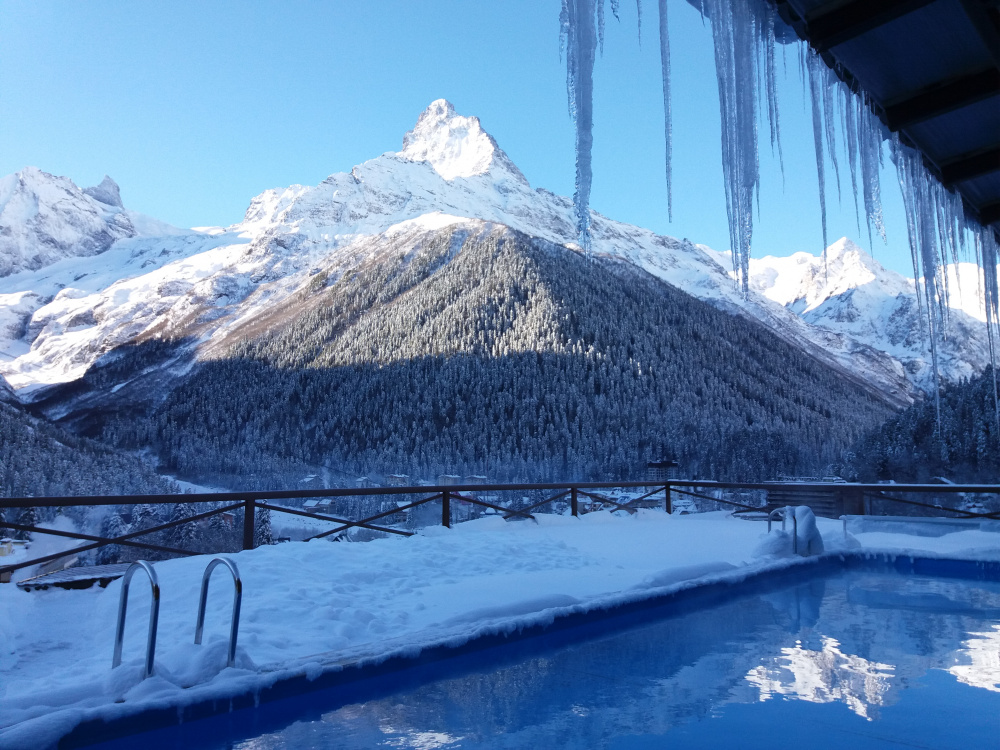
(313, 607)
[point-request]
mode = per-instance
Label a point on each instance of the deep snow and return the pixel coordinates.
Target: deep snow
(311, 606)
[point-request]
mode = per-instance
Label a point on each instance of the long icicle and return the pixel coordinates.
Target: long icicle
(987, 252)
(816, 71)
(581, 50)
(667, 116)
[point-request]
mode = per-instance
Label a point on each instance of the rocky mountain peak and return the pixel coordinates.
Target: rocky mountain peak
(107, 192)
(45, 218)
(455, 146)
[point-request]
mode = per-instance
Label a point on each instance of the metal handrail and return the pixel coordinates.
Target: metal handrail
(154, 615)
(795, 525)
(234, 625)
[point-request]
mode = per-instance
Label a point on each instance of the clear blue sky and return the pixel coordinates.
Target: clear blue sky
(195, 106)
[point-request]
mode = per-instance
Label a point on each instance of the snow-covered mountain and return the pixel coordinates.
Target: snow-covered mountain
(100, 276)
(851, 296)
(46, 218)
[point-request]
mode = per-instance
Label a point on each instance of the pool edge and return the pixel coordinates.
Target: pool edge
(697, 594)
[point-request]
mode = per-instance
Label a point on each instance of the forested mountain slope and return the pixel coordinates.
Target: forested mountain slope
(480, 350)
(39, 459)
(63, 311)
(909, 447)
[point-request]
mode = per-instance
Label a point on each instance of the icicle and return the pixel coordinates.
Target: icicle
(870, 131)
(581, 50)
(600, 25)
(667, 117)
(733, 29)
(600, 19)
(987, 255)
(849, 106)
(816, 66)
(829, 80)
(564, 47)
(771, 79)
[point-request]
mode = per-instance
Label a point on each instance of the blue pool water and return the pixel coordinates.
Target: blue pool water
(858, 659)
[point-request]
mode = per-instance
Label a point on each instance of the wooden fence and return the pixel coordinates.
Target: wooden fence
(577, 498)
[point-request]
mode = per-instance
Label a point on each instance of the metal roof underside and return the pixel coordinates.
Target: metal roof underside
(931, 70)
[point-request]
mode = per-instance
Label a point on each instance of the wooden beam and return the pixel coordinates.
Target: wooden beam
(990, 213)
(970, 166)
(942, 98)
(844, 22)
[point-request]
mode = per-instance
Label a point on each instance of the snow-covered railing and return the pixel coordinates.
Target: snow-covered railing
(783, 514)
(573, 498)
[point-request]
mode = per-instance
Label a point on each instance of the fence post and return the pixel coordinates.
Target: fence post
(574, 502)
(669, 504)
(249, 511)
(446, 509)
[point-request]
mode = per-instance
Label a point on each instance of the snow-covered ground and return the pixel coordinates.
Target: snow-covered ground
(311, 606)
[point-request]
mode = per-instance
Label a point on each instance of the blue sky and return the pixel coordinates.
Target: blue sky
(195, 107)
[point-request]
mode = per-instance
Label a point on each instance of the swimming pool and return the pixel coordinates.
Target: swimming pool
(865, 656)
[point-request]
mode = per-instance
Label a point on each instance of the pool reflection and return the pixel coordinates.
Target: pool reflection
(861, 640)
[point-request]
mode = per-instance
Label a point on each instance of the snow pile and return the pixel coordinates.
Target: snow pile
(309, 607)
(800, 536)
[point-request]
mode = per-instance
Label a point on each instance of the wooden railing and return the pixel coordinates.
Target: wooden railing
(656, 494)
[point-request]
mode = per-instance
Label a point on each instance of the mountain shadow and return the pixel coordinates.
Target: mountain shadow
(485, 351)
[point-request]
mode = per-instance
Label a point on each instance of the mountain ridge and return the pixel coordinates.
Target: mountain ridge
(484, 350)
(58, 320)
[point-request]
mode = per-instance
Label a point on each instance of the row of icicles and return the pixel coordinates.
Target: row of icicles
(745, 35)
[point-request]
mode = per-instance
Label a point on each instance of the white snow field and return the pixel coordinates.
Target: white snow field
(309, 607)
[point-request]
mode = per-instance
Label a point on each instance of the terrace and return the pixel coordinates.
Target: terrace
(312, 610)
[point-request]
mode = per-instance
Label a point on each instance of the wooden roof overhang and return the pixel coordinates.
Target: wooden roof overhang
(931, 71)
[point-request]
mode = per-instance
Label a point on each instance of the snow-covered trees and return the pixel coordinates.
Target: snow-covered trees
(39, 459)
(113, 526)
(911, 447)
(514, 359)
(262, 528)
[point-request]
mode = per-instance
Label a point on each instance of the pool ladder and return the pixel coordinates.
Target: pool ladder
(154, 610)
(783, 513)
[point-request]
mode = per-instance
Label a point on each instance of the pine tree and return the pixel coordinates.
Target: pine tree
(185, 535)
(262, 528)
(27, 517)
(112, 527)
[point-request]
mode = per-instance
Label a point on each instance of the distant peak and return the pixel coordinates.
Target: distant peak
(107, 192)
(455, 146)
(844, 246)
